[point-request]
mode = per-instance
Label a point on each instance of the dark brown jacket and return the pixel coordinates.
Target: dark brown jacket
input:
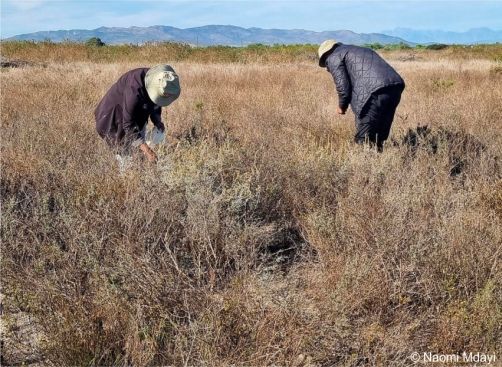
(124, 110)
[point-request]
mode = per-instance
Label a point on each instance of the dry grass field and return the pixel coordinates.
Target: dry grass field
(263, 236)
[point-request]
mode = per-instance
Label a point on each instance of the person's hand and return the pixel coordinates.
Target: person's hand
(149, 153)
(340, 111)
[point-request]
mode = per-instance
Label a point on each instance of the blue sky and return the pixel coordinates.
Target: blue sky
(26, 16)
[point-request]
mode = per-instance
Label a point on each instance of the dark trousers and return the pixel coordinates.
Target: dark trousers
(373, 125)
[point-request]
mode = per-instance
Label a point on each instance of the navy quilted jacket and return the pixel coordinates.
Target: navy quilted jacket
(358, 72)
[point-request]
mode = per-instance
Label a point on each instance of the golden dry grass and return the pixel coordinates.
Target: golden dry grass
(263, 236)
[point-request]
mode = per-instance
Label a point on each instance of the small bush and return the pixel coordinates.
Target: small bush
(436, 46)
(374, 46)
(94, 42)
(399, 46)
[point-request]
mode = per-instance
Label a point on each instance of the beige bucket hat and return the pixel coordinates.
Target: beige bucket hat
(162, 84)
(324, 50)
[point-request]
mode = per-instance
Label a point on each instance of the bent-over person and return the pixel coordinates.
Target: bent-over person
(367, 83)
(122, 114)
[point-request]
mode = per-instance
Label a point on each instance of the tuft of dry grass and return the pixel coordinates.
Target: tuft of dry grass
(263, 236)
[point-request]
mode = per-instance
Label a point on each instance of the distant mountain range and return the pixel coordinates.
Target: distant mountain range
(208, 35)
(237, 36)
(476, 35)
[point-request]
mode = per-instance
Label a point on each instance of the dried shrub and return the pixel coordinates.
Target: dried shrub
(263, 236)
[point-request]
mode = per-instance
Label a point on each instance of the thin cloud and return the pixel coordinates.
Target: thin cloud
(25, 4)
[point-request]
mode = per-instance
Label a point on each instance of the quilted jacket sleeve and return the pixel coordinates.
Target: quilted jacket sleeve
(338, 70)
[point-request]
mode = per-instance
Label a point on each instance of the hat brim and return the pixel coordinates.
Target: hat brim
(161, 100)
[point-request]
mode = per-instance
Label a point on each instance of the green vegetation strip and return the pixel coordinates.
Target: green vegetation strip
(97, 51)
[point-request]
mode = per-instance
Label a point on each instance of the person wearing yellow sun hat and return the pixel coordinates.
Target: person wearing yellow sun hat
(367, 83)
(123, 113)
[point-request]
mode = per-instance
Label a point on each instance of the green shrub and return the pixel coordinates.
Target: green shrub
(94, 42)
(374, 46)
(436, 46)
(398, 46)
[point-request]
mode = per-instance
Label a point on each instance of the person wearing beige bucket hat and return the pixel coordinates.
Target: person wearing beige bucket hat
(367, 83)
(123, 113)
